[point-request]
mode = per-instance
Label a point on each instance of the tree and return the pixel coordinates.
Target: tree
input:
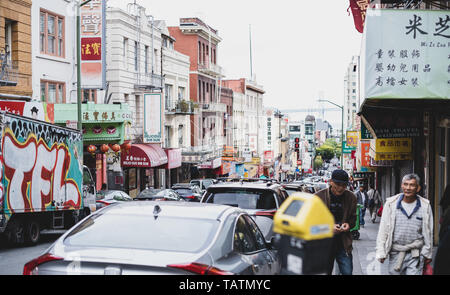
(318, 162)
(329, 149)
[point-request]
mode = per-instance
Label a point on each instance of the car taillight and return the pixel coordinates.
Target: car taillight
(190, 197)
(266, 213)
(201, 269)
(103, 203)
(31, 268)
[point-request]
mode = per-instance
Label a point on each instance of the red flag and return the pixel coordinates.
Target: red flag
(359, 8)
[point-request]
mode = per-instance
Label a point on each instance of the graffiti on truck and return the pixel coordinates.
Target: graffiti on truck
(38, 171)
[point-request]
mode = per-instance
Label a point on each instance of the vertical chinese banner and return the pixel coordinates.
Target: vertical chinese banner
(359, 8)
(365, 158)
(92, 33)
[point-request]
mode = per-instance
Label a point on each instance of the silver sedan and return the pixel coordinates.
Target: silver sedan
(160, 238)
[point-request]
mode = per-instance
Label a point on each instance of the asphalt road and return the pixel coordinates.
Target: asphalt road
(12, 260)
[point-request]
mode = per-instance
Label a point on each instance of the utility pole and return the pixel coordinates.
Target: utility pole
(342, 128)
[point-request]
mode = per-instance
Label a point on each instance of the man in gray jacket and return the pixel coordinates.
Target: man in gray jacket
(406, 230)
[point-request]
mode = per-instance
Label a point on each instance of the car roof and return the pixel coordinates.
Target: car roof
(171, 209)
(255, 185)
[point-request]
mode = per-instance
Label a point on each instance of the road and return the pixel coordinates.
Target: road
(12, 260)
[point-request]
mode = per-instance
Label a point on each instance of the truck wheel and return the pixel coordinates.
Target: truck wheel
(15, 232)
(32, 233)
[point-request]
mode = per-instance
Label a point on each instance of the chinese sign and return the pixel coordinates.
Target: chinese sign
(35, 110)
(359, 8)
(407, 54)
(365, 158)
(152, 118)
(92, 32)
(347, 149)
(352, 138)
(391, 149)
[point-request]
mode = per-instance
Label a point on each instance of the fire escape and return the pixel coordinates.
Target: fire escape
(8, 69)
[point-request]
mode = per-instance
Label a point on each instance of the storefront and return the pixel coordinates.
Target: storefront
(142, 165)
(211, 168)
(105, 129)
(173, 167)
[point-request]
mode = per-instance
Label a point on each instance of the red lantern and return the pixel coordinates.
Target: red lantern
(116, 148)
(91, 149)
(126, 146)
(104, 148)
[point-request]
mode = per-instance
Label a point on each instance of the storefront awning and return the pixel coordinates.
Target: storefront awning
(144, 156)
(173, 158)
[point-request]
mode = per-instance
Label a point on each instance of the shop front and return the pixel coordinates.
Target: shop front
(105, 130)
(211, 168)
(142, 164)
(173, 166)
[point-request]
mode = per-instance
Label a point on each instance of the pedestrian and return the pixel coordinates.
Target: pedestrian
(374, 203)
(362, 199)
(405, 234)
(342, 204)
(442, 259)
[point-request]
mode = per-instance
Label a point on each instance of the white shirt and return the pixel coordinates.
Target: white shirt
(409, 207)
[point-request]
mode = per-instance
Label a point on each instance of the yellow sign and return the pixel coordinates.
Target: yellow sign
(352, 138)
(390, 156)
(391, 145)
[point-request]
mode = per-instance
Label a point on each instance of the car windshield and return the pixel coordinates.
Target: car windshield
(144, 232)
(183, 191)
(195, 182)
(243, 198)
(149, 193)
(291, 191)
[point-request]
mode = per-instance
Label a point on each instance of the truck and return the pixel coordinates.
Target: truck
(44, 185)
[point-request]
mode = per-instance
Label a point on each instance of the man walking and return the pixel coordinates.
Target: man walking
(342, 204)
(406, 230)
(362, 199)
(374, 203)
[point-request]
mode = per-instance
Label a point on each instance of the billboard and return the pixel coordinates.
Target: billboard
(93, 51)
(406, 54)
(352, 138)
(152, 118)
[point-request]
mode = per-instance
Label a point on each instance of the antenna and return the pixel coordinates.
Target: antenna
(251, 60)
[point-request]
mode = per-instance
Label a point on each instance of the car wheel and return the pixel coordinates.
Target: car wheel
(32, 232)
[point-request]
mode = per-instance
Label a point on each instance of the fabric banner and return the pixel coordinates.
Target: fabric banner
(359, 8)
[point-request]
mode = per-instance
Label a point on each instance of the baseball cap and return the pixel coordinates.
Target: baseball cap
(339, 175)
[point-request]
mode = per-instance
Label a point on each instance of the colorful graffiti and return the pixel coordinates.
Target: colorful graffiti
(41, 171)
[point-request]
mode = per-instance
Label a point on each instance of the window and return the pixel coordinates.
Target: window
(53, 92)
(146, 59)
(260, 241)
(181, 91)
(8, 38)
(89, 95)
(167, 136)
(180, 135)
(168, 94)
(125, 52)
(51, 33)
(136, 56)
(244, 242)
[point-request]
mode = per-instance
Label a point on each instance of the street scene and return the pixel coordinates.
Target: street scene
(163, 138)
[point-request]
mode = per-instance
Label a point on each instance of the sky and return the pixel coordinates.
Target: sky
(300, 49)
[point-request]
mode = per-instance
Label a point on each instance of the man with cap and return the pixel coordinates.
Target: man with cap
(342, 204)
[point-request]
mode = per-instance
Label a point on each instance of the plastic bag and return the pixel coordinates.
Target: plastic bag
(380, 211)
(427, 269)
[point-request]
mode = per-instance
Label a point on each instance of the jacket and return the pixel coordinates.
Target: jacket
(349, 214)
(375, 196)
(359, 198)
(387, 224)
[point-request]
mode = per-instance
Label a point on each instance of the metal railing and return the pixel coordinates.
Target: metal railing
(180, 107)
(149, 81)
(8, 70)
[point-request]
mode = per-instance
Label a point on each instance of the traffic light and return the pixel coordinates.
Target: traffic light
(297, 146)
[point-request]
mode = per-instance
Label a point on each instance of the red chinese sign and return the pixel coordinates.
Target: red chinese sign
(365, 158)
(91, 49)
(359, 8)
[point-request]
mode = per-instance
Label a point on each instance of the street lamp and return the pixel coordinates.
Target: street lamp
(342, 128)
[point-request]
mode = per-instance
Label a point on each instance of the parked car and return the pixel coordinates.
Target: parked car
(259, 198)
(188, 192)
(203, 184)
(178, 238)
(151, 194)
(108, 197)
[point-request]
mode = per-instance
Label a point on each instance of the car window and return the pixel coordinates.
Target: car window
(243, 198)
(244, 242)
(195, 182)
(183, 191)
(284, 195)
(143, 231)
(260, 241)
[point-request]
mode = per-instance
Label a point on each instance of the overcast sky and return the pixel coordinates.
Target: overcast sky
(301, 49)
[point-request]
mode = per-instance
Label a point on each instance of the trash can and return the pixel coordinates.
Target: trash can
(303, 228)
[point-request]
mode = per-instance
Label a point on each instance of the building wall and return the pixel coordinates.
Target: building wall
(19, 12)
(351, 93)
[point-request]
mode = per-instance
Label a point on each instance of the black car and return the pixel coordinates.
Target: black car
(151, 194)
(188, 192)
(259, 198)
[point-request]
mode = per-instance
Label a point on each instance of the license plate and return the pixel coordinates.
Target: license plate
(294, 264)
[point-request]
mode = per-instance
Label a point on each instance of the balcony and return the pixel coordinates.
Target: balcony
(148, 81)
(210, 69)
(9, 73)
(182, 107)
(213, 107)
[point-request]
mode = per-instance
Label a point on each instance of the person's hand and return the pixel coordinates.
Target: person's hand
(381, 260)
(336, 228)
(345, 227)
